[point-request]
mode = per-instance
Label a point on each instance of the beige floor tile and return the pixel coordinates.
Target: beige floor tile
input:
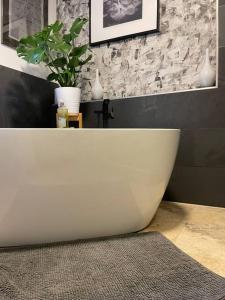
(197, 230)
(170, 219)
(205, 245)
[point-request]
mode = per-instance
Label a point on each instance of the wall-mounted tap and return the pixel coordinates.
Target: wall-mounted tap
(106, 114)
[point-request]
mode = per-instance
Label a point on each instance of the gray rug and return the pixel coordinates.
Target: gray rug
(138, 266)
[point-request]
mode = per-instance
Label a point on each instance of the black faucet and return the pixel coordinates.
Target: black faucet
(106, 115)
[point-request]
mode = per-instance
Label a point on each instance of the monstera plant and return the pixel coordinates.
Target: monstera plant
(59, 52)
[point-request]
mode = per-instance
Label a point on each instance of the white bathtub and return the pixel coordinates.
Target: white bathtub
(60, 185)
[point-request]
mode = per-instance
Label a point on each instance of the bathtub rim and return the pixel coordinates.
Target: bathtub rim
(90, 129)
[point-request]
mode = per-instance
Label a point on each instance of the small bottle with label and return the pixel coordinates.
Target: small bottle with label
(62, 116)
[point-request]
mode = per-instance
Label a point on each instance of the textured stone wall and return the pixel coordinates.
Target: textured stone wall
(169, 61)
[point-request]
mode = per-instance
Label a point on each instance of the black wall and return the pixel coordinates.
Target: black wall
(199, 174)
(25, 101)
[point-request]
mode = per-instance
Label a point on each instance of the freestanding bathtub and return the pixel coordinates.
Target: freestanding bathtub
(60, 185)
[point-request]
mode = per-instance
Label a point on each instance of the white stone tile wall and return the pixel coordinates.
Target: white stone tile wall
(151, 64)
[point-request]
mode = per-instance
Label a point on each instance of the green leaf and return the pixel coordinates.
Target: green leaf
(77, 26)
(56, 77)
(67, 38)
(36, 56)
(58, 45)
(74, 62)
(52, 77)
(29, 40)
(31, 54)
(79, 51)
(58, 62)
(86, 60)
(56, 27)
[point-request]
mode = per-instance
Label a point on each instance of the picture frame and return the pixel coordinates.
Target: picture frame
(113, 20)
(21, 18)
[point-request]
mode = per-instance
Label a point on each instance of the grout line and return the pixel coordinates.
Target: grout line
(198, 167)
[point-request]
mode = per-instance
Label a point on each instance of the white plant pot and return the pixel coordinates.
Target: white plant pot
(70, 96)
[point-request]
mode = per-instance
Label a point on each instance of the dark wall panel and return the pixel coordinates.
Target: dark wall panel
(25, 101)
(204, 186)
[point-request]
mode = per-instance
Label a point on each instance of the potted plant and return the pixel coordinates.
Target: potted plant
(58, 51)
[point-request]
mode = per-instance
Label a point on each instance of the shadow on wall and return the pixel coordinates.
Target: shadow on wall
(25, 101)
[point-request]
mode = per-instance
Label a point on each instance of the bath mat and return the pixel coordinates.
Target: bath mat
(137, 266)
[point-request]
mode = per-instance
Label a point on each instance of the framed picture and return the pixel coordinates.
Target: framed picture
(21, 18)
(111, 20)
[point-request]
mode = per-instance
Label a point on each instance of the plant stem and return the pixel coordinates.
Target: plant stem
(56, 68)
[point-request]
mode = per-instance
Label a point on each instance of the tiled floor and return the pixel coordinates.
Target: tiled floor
(197, 230)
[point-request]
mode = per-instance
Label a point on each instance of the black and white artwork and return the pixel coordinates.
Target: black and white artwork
(111, 20)
(22, 18)
(121, 11)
